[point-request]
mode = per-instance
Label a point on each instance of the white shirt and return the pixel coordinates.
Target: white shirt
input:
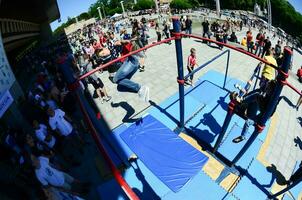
(41, 134)
(59, 122)
(48, 175)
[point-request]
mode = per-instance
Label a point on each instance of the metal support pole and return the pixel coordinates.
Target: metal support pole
(100, 14)
(281, 78)
(180, 78)
(227, 69)
(258, 75)
(225, 125)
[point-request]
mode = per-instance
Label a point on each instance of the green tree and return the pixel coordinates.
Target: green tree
(144, 4)
(180, 4)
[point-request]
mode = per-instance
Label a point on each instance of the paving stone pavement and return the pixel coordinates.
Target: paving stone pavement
(160, 77)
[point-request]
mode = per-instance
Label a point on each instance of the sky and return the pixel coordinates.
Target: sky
(297, 4)
(71, 8)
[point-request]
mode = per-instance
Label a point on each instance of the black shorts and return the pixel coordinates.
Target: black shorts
(97, 83)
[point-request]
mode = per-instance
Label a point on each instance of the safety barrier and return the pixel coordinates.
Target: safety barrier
(180, 79)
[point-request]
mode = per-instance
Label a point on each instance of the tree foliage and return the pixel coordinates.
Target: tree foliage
(144, 4)
(180, 4)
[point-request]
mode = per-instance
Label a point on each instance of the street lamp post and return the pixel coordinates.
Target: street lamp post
(218, 7)
(122, 4)
(100, 14)
(103, 10)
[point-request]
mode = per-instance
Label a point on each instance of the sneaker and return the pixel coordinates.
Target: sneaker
(142, 68)
(108, 98)
(238, 139)
(238, 86)
(142, 92)
(147, 95)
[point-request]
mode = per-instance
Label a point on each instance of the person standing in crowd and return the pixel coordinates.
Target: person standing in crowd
(267, 46)
(43, 135)
(278, 49)
(188, 25)
(206, 29)
(191, 64)
(299, 74)
(49, 176)
(250, 43)
(259, 43)
(158, 32)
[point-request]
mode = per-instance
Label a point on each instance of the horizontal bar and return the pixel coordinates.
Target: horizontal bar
(293, 88)
(125, 56)
(232, 47)
(116, 173)
(205, 64)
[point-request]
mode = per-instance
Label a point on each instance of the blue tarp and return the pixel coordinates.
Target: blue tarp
(169, 157)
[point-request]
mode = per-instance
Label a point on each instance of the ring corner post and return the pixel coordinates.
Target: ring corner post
(260, 125)
(227, 68)
(180, 78)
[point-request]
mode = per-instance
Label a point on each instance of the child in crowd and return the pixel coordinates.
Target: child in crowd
(191, 64)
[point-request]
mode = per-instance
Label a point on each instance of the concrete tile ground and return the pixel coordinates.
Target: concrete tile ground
(160, 77)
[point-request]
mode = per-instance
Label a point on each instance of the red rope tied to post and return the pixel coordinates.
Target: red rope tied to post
(259, 128)
(116, 173)
(73, 86)
(177, 35)
(285, 75)
(182, 82)
(232, 105)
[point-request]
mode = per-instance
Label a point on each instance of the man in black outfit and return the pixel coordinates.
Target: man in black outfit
(267, 46)
(206, 30)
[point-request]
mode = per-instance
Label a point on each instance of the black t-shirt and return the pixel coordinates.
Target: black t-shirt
(188, 23)
(205, 26)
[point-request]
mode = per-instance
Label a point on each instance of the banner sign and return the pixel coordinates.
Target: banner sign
(7, 78)
(5, 101)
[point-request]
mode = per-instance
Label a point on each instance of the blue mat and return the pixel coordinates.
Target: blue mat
(201, 187)
(246, 190)
(124, 149)
(261, 175)
(163, 152)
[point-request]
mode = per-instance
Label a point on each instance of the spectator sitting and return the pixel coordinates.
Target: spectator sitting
(244, 42)
(233, 38)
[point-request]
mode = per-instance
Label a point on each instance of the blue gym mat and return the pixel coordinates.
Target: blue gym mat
(125, 152)
(163, 152)
(246, 190)
(201, 187)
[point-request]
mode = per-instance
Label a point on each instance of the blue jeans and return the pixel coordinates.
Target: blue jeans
(252, 109)
(125, 73)
(189, 30)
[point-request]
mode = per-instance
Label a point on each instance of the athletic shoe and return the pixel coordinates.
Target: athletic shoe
(238, 86)
(147, 95)
(141, 92)
(238, 139)
(108, 98)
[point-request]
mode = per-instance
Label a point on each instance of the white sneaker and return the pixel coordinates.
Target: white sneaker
(238, 86)
(141, 92)
(147, 95)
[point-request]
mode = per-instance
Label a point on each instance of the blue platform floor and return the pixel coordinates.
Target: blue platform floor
(211, 101)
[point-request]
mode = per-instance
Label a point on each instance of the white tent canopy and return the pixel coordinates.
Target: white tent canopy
(116, 15)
